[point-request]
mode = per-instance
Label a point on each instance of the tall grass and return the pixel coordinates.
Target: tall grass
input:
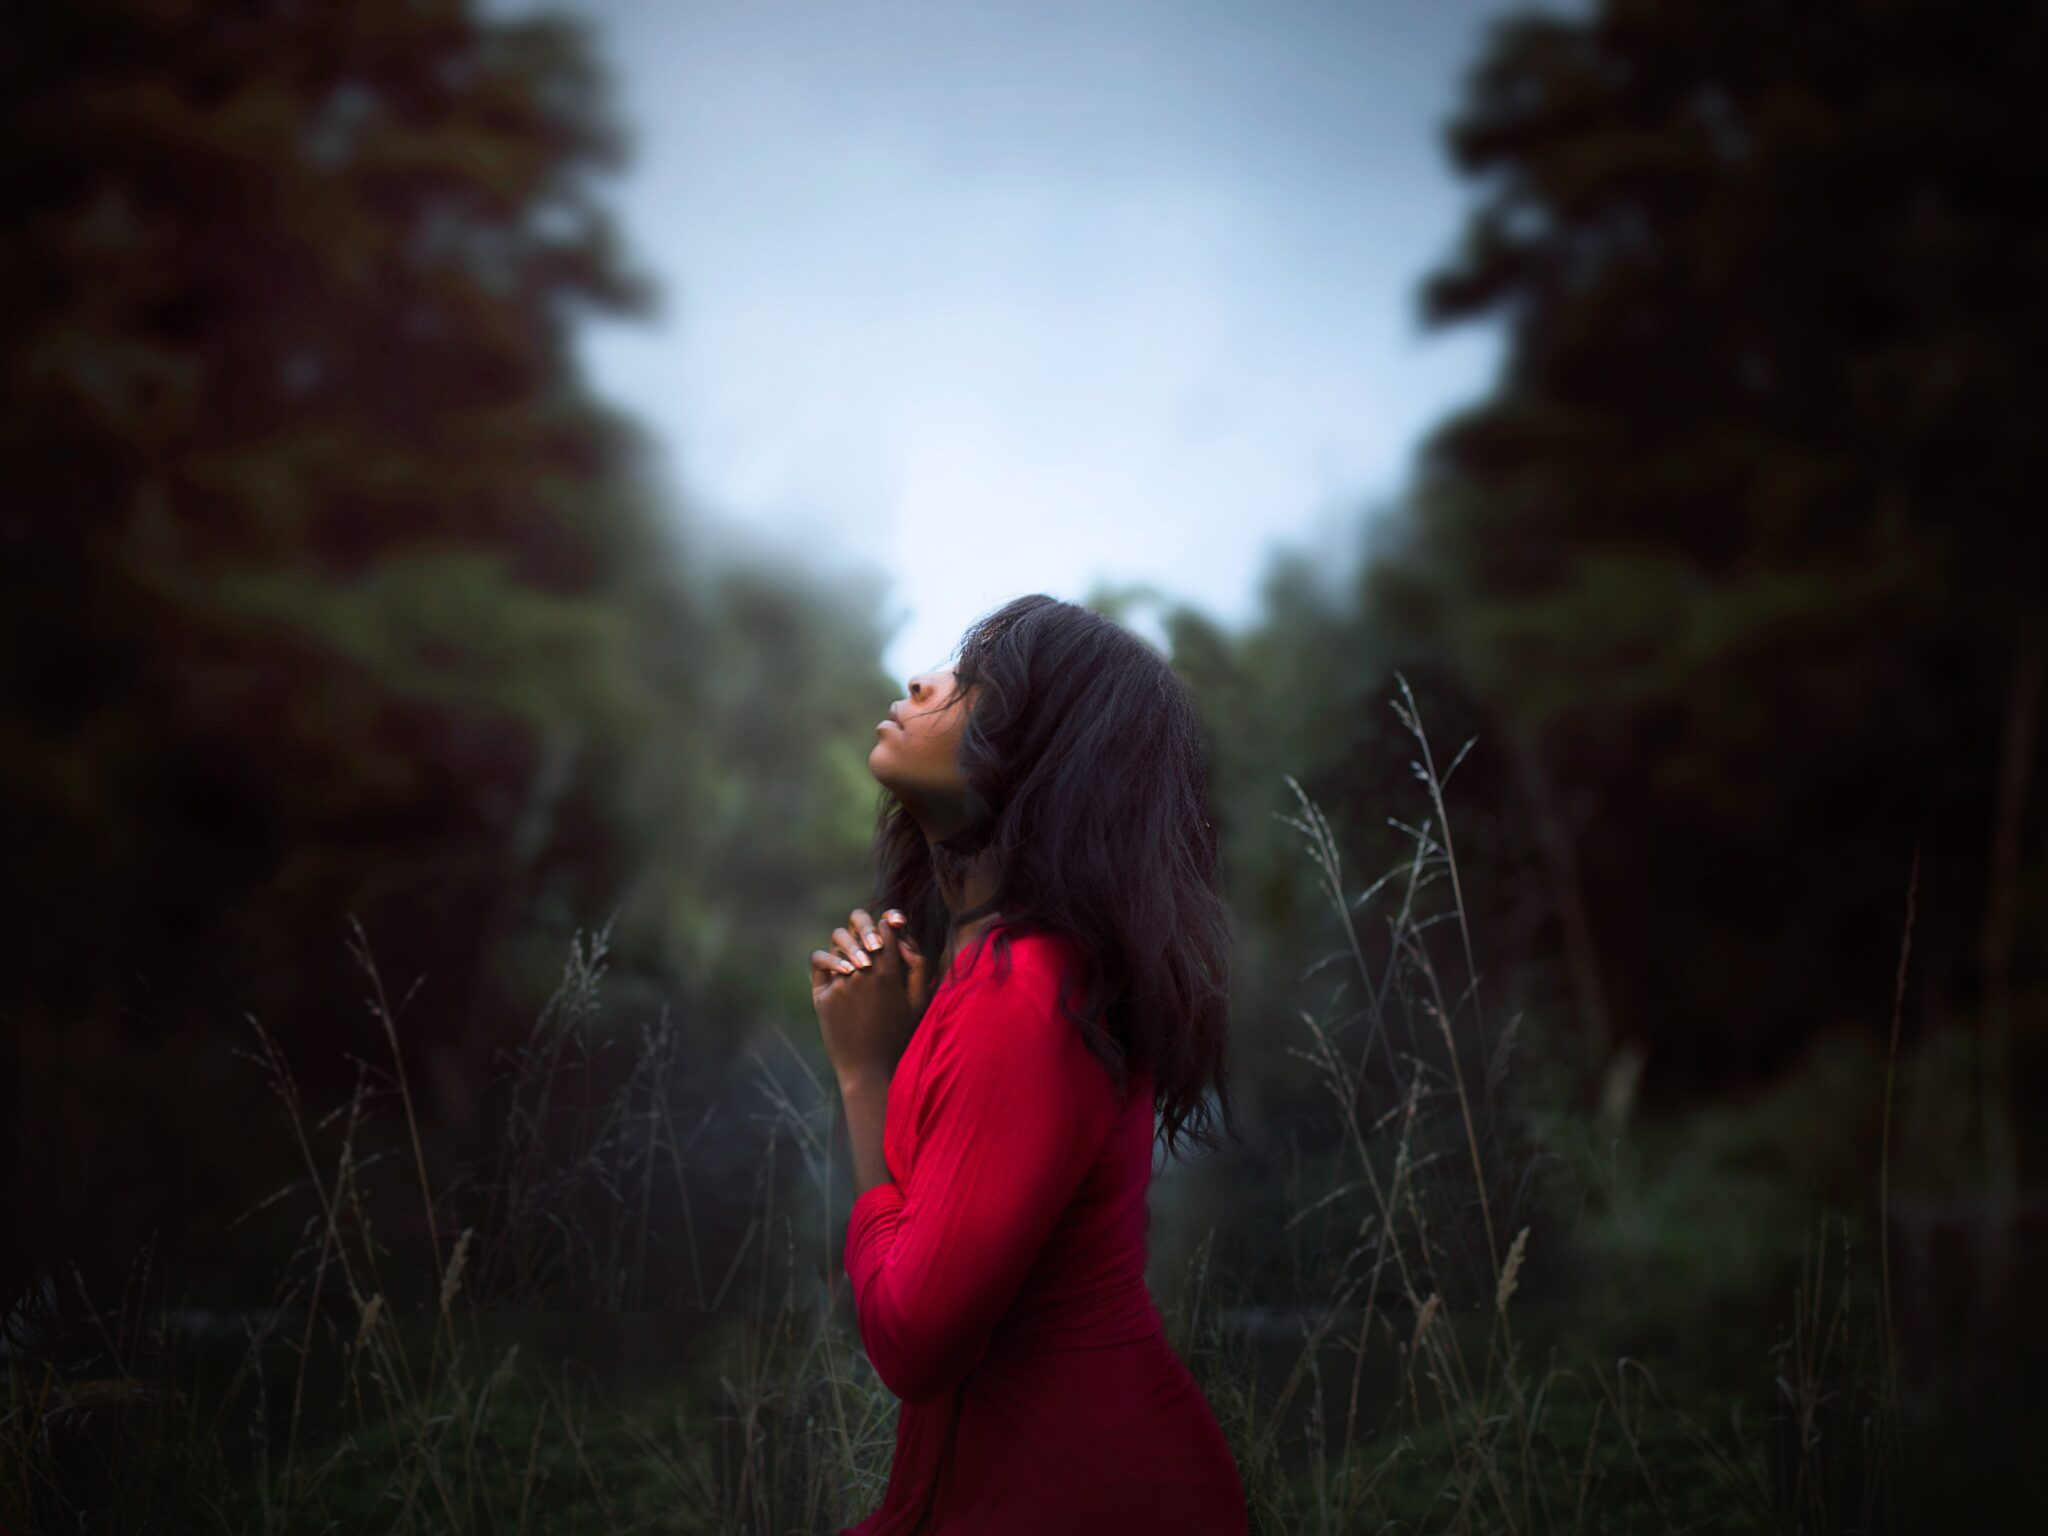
(414, 1372)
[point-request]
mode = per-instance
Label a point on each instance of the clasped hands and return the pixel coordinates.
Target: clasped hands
(869, 990)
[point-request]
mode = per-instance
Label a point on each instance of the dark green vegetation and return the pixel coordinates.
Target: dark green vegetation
(328, 590)
(1634, 1061)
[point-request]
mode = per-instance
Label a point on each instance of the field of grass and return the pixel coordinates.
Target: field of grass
(1502, 1313)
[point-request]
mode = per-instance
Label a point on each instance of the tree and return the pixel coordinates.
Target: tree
(1743, 544)
(327, 587)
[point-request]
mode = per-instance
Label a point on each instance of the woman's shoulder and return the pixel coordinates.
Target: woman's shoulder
(1038, 956)
(1007, 1017)
(1027, 973)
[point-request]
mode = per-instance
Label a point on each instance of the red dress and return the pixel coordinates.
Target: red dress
(999, 1283)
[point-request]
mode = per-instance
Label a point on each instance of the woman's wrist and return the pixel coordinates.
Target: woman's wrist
(869, 1082)
(866, 1096)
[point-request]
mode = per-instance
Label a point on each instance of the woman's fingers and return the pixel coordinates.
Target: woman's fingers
(864, 928)
(857, 945)
(848, 947)
(855, 949)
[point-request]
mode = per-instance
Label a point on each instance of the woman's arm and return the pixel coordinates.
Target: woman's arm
(1011, 1109)
(866, 1098)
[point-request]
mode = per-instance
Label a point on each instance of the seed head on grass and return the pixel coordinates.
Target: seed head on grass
(1425, 1317)
(451, 1281)
(1510, 1272)
(371, 1308)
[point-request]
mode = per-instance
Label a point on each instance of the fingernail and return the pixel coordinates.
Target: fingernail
(894, 917)
(874, 941)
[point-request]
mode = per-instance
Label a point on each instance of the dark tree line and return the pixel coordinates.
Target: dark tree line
(1743, 550)
(329, 590)
(1736, 573)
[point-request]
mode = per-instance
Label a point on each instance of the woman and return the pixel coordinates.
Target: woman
(1045, 836)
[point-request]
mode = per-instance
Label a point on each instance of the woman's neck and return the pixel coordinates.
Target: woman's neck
(979, 887)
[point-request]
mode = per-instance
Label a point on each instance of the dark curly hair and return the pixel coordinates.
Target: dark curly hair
(1086, 771)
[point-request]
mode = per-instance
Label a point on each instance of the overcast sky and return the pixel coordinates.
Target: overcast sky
(1011, 295)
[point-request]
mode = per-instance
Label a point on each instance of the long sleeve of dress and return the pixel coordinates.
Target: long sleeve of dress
(1010, 1110)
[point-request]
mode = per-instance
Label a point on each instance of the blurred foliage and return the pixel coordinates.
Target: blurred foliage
(1742, 550)
(1735, 574)
(1733, 583)
(328, 589)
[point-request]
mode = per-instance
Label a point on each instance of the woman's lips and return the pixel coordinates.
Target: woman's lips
(885, 724)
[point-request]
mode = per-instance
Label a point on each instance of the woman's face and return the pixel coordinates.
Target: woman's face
(917, 748)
